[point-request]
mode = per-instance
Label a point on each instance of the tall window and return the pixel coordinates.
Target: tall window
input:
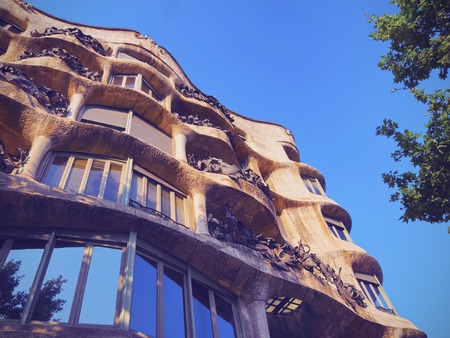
(83, 278)
(149, 192)
(374, 292)
(135, 81)
(313, 185)
(129, 122)
(107, 179)
(5, 24)
(338, 229)
(102, 178)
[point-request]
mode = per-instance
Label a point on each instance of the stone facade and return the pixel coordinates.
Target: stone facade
(169, 176)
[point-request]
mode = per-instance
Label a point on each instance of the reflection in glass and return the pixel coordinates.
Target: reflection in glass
(143, 304)
(224, 317)
(136, 188)
(95, 178)
(60, 280)
(76, 175)
(165, 201)
(113, 182)
(55, 171)
(202, 312)
(151, 195)
(16, 277)
(179, 208)
(173, 304)
(99, 301)
(129, 83)
(117, 80)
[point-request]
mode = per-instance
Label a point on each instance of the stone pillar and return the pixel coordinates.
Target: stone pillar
(257, 312)
(76, 102)
(180, 147)
(201, 219)
(107, 72)
(39, 148)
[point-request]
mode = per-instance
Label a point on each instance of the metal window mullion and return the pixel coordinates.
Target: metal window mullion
(214, 322)
(189, 304)
(127, 291)
(4, 251)
(138, 82)
(125, 197)
(158, 197)
(66, 172)
(173, 213)
(81, 284)
(129, 122)
(160, 301)
(375, 293)
(85, 177)
(38, 279)
(366, 292)
(101, 191)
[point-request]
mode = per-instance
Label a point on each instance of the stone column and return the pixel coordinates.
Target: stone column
(76, 102)
(39, 148)
(257, 312)
(180, 147)
(201, 219)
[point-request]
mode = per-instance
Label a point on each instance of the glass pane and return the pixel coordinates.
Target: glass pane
(17, 275)
(225, 320)
(179, 208)
(54, 173)
(143, 304)
(95, 178)
(308, 185)
(136, 188)
(76, 175)
(57, 292)
(129, 82)
(173, 304)
(146, 88)
(3, 22)
(316, 186)
(341, 233)
(14, 29)
(117, 80)
(151, 195)
(202, 312)
(113, 182)
(99, 301)
(165, 201)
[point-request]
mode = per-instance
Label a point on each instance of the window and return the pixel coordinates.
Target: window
(5, 24)
(313, 185)
(96, 177)
(338, 229)
(106, 179)
(282, 305)
(109, 279)
(137, 82)
(129, 122)
(150, 193)
(374, 292)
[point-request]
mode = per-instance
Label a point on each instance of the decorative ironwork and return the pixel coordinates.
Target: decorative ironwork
(153, 212)
(72, 61)
(55, 102)
(211, 100)
(197, 121)
(85, 39)
(218, 166)
(283, 256)
(9, 163)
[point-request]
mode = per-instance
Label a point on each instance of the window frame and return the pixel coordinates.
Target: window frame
(370, 281)
(311, 183)
(334, 226)
(8, 25)
(139, 80)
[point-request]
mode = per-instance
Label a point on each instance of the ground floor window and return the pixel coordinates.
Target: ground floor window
(72, 278)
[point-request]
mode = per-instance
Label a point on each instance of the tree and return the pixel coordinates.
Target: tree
(419, 36)
(12, 304)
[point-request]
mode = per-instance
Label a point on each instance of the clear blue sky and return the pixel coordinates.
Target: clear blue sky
(309, 66)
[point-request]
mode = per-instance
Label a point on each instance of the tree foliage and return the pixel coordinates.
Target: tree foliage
(419, 36)
(12, 304)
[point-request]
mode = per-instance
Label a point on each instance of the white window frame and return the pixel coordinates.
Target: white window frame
(138, 81)
(334, 225)
(367, 281)
(310, 183)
